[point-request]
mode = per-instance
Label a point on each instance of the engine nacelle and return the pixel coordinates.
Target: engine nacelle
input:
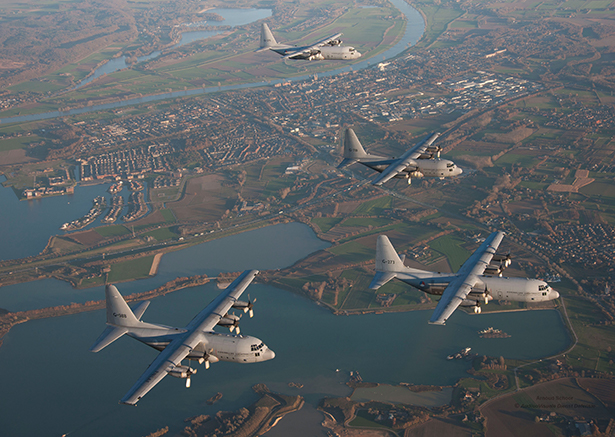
(415, 174)
(505, 260)
(468, 303)
(241, 305)
(434, 150)
(493, 271)
(335, 42)
(316, 57)
(202, 357)
(182, 372)
(229, 320)
(425, 156)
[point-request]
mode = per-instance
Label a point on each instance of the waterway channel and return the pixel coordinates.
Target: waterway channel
(415, 26)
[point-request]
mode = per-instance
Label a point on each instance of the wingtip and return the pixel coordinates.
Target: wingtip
(128, 403)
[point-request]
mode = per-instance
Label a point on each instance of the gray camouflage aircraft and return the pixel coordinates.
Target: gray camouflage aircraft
(477, 280)
(328, 48)
(197, 341)
(423, 160)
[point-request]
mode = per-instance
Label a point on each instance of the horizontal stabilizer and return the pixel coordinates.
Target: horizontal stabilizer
(140, 309)
(108, 336)
(346, 162)
(380, 279)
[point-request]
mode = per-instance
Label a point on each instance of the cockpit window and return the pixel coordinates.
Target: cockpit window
(450, 164)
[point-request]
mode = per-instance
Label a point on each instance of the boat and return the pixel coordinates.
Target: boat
(212, 400)
(491, 332)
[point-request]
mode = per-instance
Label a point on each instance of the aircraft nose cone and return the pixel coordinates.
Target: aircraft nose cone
(554, 294)
(268, 355)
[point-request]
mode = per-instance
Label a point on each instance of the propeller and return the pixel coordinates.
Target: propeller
(235, 325)
(250, 306)
(188, 382)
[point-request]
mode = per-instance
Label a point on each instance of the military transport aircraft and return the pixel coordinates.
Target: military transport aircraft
(197, 341)
(328, 48)
(423, 160)
(477, 280)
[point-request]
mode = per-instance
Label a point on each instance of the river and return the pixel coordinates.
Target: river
(49, 375)
(232, 18)
(415, 27)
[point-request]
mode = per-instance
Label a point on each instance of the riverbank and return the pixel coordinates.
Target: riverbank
(253, 420)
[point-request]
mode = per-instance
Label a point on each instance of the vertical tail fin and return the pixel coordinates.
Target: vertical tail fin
(267, 38)
(387, 259)
(352, 146)
(353, 150)
(118, 311)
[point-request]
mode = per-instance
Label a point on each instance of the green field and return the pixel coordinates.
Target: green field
(111, 231)
(451, 247)
(326, 223)
(168, 215)
(374, 207)
(352, 252)
(18, 143)
(364, 420)
(365, 222)
(133, 269)
(162, 234)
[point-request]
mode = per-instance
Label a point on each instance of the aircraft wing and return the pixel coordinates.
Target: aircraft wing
(302, 51)
(467, 276)
(207, 319)
(170, 357)
(182, 345)
(401, 163)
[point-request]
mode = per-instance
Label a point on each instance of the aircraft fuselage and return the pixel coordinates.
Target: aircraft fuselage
(225, 347)
(490, 287)
(323, 53)
(434, 168)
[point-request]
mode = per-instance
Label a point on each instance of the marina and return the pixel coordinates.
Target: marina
(137, 207)
(116, 188)
(117, 203)
(100, 204)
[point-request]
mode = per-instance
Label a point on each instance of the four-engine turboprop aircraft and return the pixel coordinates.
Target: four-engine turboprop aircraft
(197, 341)
(423, 160)
(328, 48)
(477, 280)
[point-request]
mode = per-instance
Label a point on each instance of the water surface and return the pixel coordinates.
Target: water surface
(73, 390)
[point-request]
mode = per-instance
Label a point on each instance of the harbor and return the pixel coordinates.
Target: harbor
(97, 209)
